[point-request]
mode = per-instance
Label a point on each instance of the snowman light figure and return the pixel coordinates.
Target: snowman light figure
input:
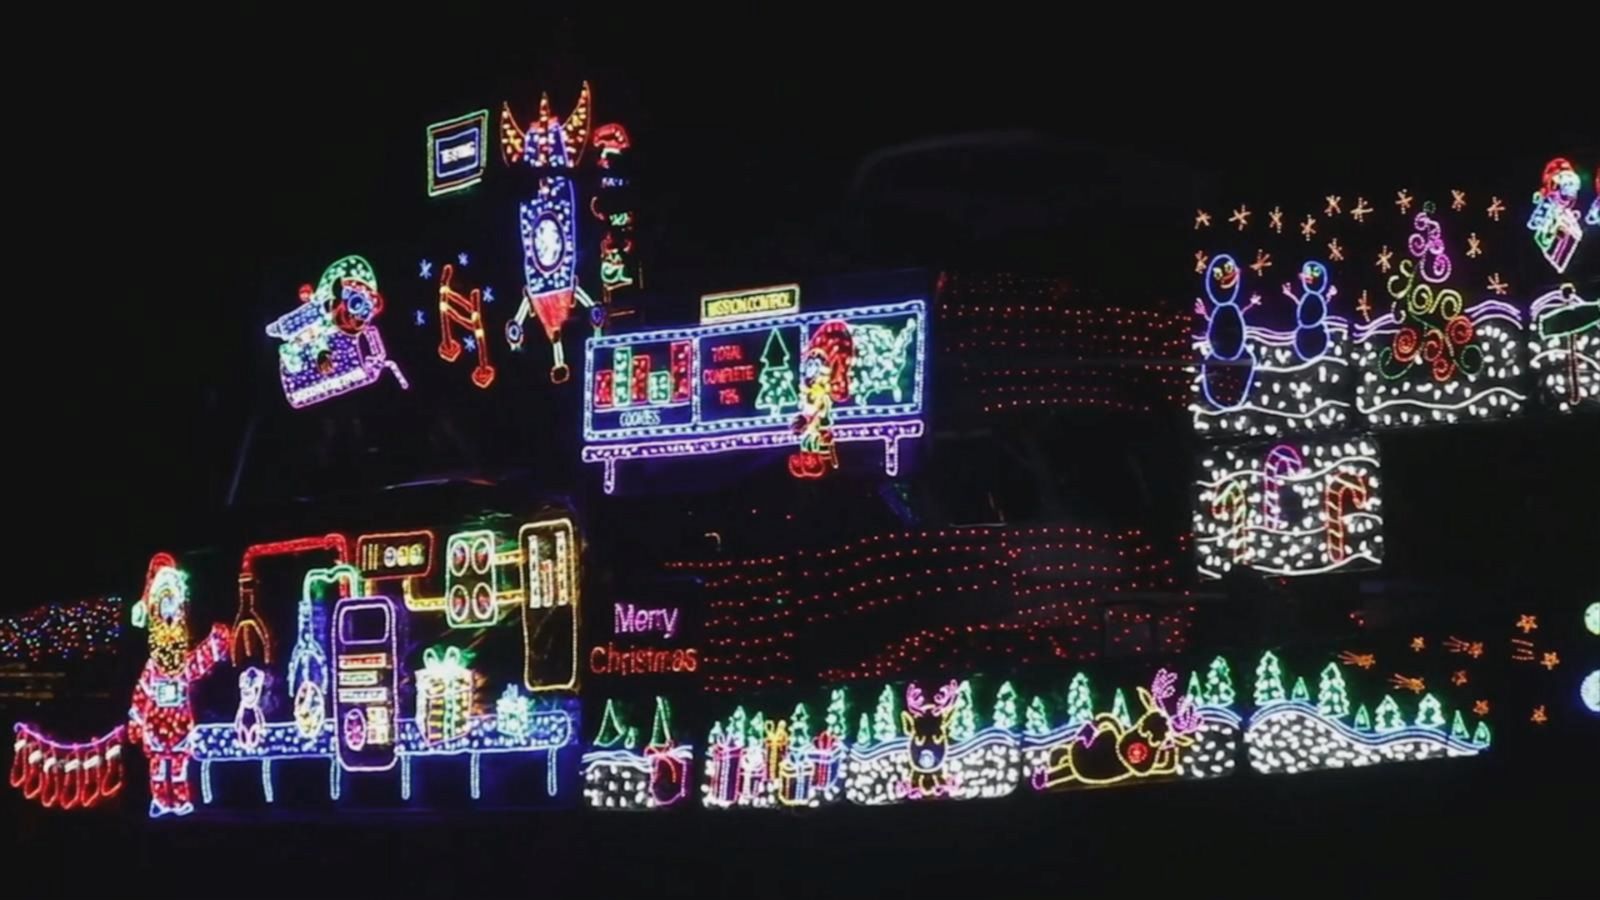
(1311, 338)
(162, 716)
(1225, 345)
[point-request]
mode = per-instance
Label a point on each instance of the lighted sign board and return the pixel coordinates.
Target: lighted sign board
(1564, 349)
(739, 385)
(757, 303)
(457, 152)
(1305, 507)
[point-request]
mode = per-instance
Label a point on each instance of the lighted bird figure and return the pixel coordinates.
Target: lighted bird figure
(1225, 345)
(553, 147)
(1311, 337)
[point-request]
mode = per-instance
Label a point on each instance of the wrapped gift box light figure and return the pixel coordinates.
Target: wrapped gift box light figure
(444, 694)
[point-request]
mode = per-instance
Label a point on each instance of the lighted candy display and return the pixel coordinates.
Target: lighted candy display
(66, 776)
(738, 385)
(1432, 358)
(1172, 737)
(925, 761)
(1292, 509)
(549, 219)
(1253, 380)
(161, 719)
(330, 344)
(765, 763)
(1564, 349)
(1287, 735)
(616, 776)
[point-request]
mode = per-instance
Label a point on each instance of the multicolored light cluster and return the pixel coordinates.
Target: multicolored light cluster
(69, 632)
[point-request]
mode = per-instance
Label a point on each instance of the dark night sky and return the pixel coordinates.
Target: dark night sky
(168, 178)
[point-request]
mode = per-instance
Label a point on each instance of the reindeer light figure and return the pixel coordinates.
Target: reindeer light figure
(928, 734)
(1105, 751)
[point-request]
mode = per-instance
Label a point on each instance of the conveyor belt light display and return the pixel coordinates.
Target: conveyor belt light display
(799, 380)
(1297, 508)
(1289, 735)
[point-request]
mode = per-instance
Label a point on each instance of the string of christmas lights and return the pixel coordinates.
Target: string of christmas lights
(1060, 587)
(62, 632)
(1032, 342)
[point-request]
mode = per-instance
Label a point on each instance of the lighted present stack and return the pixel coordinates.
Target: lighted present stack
(444, 694)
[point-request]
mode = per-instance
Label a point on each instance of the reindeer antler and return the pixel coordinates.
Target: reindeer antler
(914, 702)
(1164, 686)
(946, 697)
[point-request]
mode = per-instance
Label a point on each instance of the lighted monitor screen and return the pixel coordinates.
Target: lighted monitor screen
(739, 385)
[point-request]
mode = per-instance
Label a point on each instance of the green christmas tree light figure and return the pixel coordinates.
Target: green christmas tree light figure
(1388, 718)
(1269, 680)
(1005, 707)
(1080, 704)
(716, 736)
(884, 727)
(838, 715)
(661, 724)
(1363, 720)
(864, 732)
(964, 720)
(800, 726)
(1038, 721)
(1480, 735)
(737, 724)
(1458, 727)
(1195, 694)
(777, 390)
(612, 733)
(1219, 684)
(1300, 693)
(1333, 700)
(1429, 713)
(1119, 708)
(756, 741)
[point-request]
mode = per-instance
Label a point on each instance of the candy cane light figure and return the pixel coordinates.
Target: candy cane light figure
(162, 716)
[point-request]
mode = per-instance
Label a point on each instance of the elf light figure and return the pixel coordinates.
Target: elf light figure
(1554, 221)
(162, 716)
(825, 380)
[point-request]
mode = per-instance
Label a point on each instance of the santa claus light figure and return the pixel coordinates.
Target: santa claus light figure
(162, 716)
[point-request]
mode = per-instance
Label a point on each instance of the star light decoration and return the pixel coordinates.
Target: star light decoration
(1540, 716)
(1410, 682)
(1360, 210)
(1550, 661)
(1263, 262)
(1275, 219)
(1419, 644)
(1495, 208)
(1201, 260)
(461, 258)
(1527, 624)
(1202, 219)
(425, 270)
(1364, 306)
(1459, 678)
(1498, 286)
(1335, 252)
(1363, 660)
(1458, 200)
(420, 318)
(1308, 227)
(1241, 216)
(1474, 246)
(1332, 209)
(1403, 199)
(1480, 708)
(488, 295)
(1384, 257)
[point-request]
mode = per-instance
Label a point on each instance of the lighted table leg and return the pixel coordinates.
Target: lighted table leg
(474, 774)
(891, 455)
(405, 777)
(550, 773)
(611, 475)
(205, 781)
(333, 778)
